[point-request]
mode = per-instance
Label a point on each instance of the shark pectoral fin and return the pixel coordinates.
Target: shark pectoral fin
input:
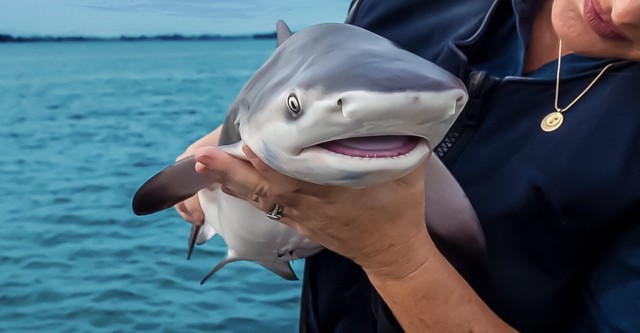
(168, 187)
(449, 214)
(282, 268)
(283, 32)
(217, 268)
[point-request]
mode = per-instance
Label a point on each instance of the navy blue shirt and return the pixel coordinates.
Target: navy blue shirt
(560, 210)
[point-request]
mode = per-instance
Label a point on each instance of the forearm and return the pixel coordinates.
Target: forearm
(434, 297)
(381, 228)
(210, 139)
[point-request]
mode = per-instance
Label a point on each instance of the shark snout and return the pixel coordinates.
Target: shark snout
(366, 105)
(360, 105)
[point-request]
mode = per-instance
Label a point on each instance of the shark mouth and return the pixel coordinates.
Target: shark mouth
(373, 146)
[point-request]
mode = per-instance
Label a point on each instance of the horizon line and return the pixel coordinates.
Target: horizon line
(8, 38)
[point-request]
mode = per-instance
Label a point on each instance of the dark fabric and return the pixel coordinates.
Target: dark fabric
(560, 210)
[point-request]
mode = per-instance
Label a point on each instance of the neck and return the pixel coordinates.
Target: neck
(543, 44)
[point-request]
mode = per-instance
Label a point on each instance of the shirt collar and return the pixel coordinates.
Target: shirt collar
(525, 11)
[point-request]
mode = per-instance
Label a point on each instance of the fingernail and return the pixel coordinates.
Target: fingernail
(204, 159)
(201, 167)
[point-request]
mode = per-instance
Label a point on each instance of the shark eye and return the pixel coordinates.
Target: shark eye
(293, 104)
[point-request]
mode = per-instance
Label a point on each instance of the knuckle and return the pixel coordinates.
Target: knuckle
(261, 189)
(227, 190)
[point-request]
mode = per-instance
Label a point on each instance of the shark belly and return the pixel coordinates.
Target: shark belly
(250, 235)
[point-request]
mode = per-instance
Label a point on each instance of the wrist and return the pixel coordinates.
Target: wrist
(400, 260)
(433, 297)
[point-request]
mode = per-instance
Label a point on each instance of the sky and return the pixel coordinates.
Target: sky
(152, 17)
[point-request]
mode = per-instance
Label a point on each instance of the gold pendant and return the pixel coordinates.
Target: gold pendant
(552, 121)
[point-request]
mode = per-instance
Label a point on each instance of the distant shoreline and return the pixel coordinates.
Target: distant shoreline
(4, 38)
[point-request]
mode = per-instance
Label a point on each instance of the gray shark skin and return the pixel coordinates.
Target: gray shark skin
(334, 105)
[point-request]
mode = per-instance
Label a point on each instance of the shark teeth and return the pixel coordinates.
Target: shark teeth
(373, 147)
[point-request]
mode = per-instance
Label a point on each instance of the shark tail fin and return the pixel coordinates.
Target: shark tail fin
(452, 221)
(282, 268)
(449, 213)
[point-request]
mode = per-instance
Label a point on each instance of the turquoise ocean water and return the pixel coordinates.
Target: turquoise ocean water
(82, 126)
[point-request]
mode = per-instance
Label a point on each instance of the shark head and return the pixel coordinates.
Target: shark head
(338, 105)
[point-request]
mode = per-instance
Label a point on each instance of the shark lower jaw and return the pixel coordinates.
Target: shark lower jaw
(375, 147)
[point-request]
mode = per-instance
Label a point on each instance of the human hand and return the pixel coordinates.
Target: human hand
(380, 227)
(190, 209)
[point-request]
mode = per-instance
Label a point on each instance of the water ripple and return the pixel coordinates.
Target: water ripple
(83, 125)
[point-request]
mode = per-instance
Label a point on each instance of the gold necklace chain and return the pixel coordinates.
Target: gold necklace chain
(554, 119)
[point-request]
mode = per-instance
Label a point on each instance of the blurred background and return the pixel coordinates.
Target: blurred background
(96, 96)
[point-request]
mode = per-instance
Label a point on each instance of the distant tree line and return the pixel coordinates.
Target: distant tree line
(4, 38)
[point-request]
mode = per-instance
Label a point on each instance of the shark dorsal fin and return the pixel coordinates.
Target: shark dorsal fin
(283, 32)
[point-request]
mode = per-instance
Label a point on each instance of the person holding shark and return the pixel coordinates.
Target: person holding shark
(544, 150)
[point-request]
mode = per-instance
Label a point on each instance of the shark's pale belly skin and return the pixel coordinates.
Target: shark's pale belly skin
(272, 244)
(334, 105)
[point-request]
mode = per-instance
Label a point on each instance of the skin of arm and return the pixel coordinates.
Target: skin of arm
(434, 297)
(210, 139)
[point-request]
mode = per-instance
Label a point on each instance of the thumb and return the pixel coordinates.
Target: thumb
(255, 160)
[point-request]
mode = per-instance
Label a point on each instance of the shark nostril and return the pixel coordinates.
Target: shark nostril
(345, 110)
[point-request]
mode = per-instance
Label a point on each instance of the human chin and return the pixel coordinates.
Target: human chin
(593, 46)
(566, 17)
(570, 22)
(570, 26)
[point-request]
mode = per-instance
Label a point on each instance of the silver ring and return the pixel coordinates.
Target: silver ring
(276, 212)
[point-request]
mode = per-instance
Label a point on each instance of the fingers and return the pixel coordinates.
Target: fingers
(191, 211)
(255, 160)
(237, 177)
(285, 184)
(230, 172)
(254, 181)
